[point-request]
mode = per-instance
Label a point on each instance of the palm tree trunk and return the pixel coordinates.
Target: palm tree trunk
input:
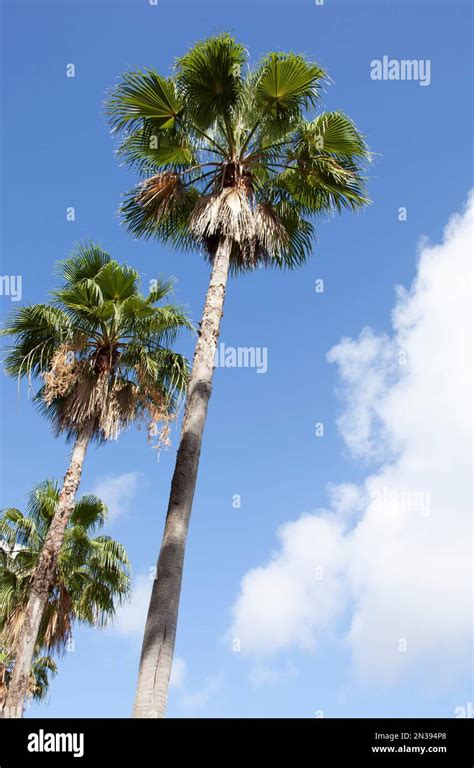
(160, 631)
(3, 687)
(43, 579)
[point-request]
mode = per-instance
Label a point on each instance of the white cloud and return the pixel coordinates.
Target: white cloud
(131, 616)
(366, 367)
(266, 675)
(402, 567)
(117, 492)
(346, 499)
(192, 702)
(178, 672)
(297, 594)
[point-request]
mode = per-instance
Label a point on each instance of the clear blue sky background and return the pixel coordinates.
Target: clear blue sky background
(259, 439)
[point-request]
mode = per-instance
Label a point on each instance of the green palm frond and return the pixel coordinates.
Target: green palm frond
(41, 504)
(84, 263)
(38, 331)
(118, 282)
(173, 229)
(83, 298)
(42, 669)
(209, 79)
(89, 512)
(160, 327)
(92, 577)
(77, 348)
(287, 83)
(161, 289)
(151, 150)
(253, 133)
(143, 94)
(335, 133)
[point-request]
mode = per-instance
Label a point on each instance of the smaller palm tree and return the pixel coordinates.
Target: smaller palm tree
(102, 352)
(42, 668)
(91, 578)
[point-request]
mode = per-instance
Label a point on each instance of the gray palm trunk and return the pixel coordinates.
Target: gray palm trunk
(160, 631)
(43, 579)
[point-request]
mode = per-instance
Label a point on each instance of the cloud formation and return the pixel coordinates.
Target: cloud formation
(131, 616)
(394, 552)
(117, 491)
(178, 672)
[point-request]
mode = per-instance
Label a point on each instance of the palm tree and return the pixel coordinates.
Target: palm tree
(102, 351)
(91, 577)
(41, 669)
(235, 164)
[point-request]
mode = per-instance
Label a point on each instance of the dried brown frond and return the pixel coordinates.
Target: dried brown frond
(55, 625)
(259, 234)
(13, 625)
(155, 411)
(159, 193)
(86, 399)
(88, 389)
(271, 235)
(225, 213)
(159, 434)
(57, 628)
(64, 372)
(118, 408)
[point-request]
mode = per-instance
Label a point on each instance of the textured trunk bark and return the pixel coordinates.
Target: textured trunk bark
(3, 689)
(160, 631)
(42, 581)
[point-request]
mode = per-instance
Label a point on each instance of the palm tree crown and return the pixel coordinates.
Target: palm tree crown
(232, 153)
(100, 347)
(92, 573)
(42, 668)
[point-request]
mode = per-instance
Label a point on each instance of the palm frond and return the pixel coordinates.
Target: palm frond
(209, 79)
(84, 263)
(143, 95)
(92, 575)
(78, 346)
(245, 148)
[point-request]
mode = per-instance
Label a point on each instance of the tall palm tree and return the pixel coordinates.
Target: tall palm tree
(90, 579)
(101, 348)
(235, 164)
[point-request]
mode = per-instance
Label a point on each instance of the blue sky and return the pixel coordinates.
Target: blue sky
(259, 441)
